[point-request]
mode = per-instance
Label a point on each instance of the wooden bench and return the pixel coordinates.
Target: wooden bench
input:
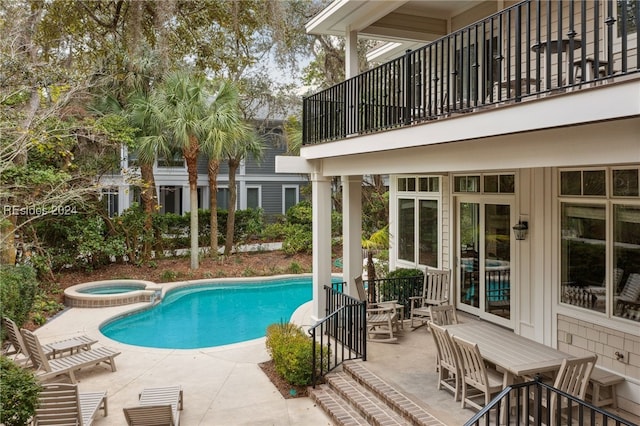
(599, 381)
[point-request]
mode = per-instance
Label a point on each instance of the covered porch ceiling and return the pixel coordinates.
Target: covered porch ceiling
(397, 24)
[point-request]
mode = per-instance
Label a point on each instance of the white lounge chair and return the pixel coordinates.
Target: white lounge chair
(158, 407)
(62, 404)
(48, 368)
(383, 318)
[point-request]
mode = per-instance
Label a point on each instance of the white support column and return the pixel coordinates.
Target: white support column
(321, 201)
(351, 69)
(351, 231)
(351, 64)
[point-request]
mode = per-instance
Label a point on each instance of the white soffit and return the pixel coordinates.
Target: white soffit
(611, 142)
(350, 15)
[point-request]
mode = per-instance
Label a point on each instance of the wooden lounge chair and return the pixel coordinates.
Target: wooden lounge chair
(158, 407)
(51, 350)
(435, 291)
(47, 368)
(62, 404)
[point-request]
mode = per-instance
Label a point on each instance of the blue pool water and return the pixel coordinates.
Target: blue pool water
(112, 289)
(212, 314)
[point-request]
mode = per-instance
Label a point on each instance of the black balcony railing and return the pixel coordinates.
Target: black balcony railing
(521, 404)
(341, 335)
(400, 289)
(528, 50)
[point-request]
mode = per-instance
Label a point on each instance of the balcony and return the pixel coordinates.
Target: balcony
(531, 50)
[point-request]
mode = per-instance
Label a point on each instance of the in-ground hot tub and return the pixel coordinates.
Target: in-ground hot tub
(100, 294)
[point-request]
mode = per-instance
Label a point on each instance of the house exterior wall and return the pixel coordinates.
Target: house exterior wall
(580, 338)
(538, 311)
(561, 123)
(250, 175)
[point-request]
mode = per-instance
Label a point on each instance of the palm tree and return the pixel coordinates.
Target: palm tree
(228, 128)
(183, 116)
(248, 143)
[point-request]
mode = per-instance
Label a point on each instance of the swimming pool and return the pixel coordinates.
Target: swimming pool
(215, 314)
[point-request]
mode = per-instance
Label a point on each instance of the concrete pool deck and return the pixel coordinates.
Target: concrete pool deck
(225, 385)
(222, 385)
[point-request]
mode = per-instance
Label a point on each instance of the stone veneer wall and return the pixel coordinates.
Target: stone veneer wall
(579, 338)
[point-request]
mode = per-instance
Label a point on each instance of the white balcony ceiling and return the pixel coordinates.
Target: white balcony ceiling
(402, 24)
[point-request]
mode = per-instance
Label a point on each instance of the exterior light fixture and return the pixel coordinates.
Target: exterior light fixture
(520, 230)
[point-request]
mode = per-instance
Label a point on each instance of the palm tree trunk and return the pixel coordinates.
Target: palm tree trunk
(149, 205)
(191, 156)
(231, 218)
(212, 170)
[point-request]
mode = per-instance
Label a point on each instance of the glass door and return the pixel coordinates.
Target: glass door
(484, 253)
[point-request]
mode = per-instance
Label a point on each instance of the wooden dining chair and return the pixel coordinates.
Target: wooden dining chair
(448, 363)
(443, 314)
(572, 378)
(475, 374)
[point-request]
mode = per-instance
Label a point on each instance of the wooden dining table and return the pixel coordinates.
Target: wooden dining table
(516, 356)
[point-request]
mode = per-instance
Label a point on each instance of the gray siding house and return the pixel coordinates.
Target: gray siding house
(257, 183)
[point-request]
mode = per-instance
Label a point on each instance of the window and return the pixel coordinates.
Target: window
(428, 232)
(499, 184)
(600, 241)
(289, 197)
(171, 199)
(626, 261)
(253, 197)
(110, 198)
(627, 11)
(174, 160)
(583, 254)
(223, 198)
(467, 183)
(491, 183)
(406, 230)
(583, 182)
(418, 210)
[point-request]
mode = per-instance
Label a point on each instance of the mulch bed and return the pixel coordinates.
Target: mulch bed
(286, 390)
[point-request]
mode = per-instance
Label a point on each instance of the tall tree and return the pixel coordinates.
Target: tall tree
(191, 114)
(228, 129)
(247, 143)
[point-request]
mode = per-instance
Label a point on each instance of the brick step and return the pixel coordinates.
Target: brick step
(414, 413)
(372, 408)
(336, 407)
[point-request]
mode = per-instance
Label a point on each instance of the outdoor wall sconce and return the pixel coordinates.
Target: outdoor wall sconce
(520, 230)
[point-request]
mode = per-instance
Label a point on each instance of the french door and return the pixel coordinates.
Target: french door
(484, 253)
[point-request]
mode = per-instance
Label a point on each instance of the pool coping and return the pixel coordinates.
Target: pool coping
(75, 298)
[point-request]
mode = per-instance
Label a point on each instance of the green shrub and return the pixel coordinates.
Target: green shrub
(405, 282)
(19, 396)
(298, 239)
(291, 350)
(18, 286)
(405, 273)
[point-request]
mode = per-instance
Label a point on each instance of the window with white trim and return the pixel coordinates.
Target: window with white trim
(290, 197)
(254, 198)
(418, 204)
(600, 240)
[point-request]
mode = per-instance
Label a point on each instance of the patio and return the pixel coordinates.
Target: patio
(225, 385)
